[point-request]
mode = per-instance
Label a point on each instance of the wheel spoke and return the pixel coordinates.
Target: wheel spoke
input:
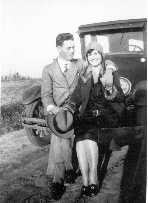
(37, 133)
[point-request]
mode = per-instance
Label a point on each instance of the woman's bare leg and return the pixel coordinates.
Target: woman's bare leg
(83, 161)
(92, 155)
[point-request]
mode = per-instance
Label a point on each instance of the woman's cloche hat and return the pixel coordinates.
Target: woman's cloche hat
(94, 45)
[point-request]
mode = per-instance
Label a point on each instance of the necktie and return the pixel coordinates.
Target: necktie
(65, 69)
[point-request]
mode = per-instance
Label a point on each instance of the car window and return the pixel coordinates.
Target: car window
(126, 42)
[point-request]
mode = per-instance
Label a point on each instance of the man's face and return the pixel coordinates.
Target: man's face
(66, 51)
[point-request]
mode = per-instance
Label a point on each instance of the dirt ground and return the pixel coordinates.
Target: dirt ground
(23, 180)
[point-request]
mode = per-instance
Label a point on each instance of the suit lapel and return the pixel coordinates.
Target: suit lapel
(71, 73)
(59, 74)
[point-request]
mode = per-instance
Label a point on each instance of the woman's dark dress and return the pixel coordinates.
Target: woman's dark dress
(88, 126)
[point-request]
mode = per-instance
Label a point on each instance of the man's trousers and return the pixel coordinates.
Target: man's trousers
(59, 161)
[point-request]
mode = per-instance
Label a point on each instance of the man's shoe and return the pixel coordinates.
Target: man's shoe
(57, 190)
(83, 195)
(70, 176)
(85, 190)
(93, 190)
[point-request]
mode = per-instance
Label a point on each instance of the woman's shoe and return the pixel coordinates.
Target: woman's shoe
(93, 190)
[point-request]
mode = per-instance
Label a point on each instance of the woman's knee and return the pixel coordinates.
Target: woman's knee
(81, 146)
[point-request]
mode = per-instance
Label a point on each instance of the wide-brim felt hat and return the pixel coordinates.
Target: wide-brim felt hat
(61, 124)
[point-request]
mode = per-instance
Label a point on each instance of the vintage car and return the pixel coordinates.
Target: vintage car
(125, 43)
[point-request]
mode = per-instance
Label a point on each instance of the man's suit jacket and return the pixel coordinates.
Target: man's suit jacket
(56, 87)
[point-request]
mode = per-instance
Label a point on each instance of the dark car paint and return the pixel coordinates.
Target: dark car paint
(130, 66)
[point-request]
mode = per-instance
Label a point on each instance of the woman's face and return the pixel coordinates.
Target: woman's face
(94, 58)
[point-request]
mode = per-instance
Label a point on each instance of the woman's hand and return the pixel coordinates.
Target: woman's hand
(107, 78)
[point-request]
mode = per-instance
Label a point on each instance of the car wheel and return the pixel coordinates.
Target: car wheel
(40, 136)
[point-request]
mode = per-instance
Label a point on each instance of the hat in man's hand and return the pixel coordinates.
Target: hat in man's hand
(61, 124)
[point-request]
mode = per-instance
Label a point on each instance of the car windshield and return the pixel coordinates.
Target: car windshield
(127, 42)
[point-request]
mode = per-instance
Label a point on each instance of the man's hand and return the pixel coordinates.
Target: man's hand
(52, 109)
(107, 78)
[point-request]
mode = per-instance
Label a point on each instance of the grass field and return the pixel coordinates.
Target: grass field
(12, 91)
(11, 103)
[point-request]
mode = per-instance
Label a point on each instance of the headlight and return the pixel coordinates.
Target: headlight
(125, 85)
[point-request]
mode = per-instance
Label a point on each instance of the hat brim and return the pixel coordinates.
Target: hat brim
(64, 135)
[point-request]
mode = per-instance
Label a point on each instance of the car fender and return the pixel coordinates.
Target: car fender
(32, 94)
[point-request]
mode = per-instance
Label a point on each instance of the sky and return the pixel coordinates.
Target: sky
(29, 28)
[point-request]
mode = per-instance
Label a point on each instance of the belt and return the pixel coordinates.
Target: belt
(92, 114)
(96, 113)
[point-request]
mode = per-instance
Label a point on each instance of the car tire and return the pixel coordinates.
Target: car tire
(33, 110)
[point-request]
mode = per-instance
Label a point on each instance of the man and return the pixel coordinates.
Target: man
(59, 80)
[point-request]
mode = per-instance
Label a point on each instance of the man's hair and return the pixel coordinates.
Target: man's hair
(63, 37)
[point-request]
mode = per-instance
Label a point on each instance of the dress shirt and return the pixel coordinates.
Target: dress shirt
(64, 64)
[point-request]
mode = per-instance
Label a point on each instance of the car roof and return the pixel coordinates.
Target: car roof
(112, 25)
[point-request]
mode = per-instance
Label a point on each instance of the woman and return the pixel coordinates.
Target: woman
(94, 106)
